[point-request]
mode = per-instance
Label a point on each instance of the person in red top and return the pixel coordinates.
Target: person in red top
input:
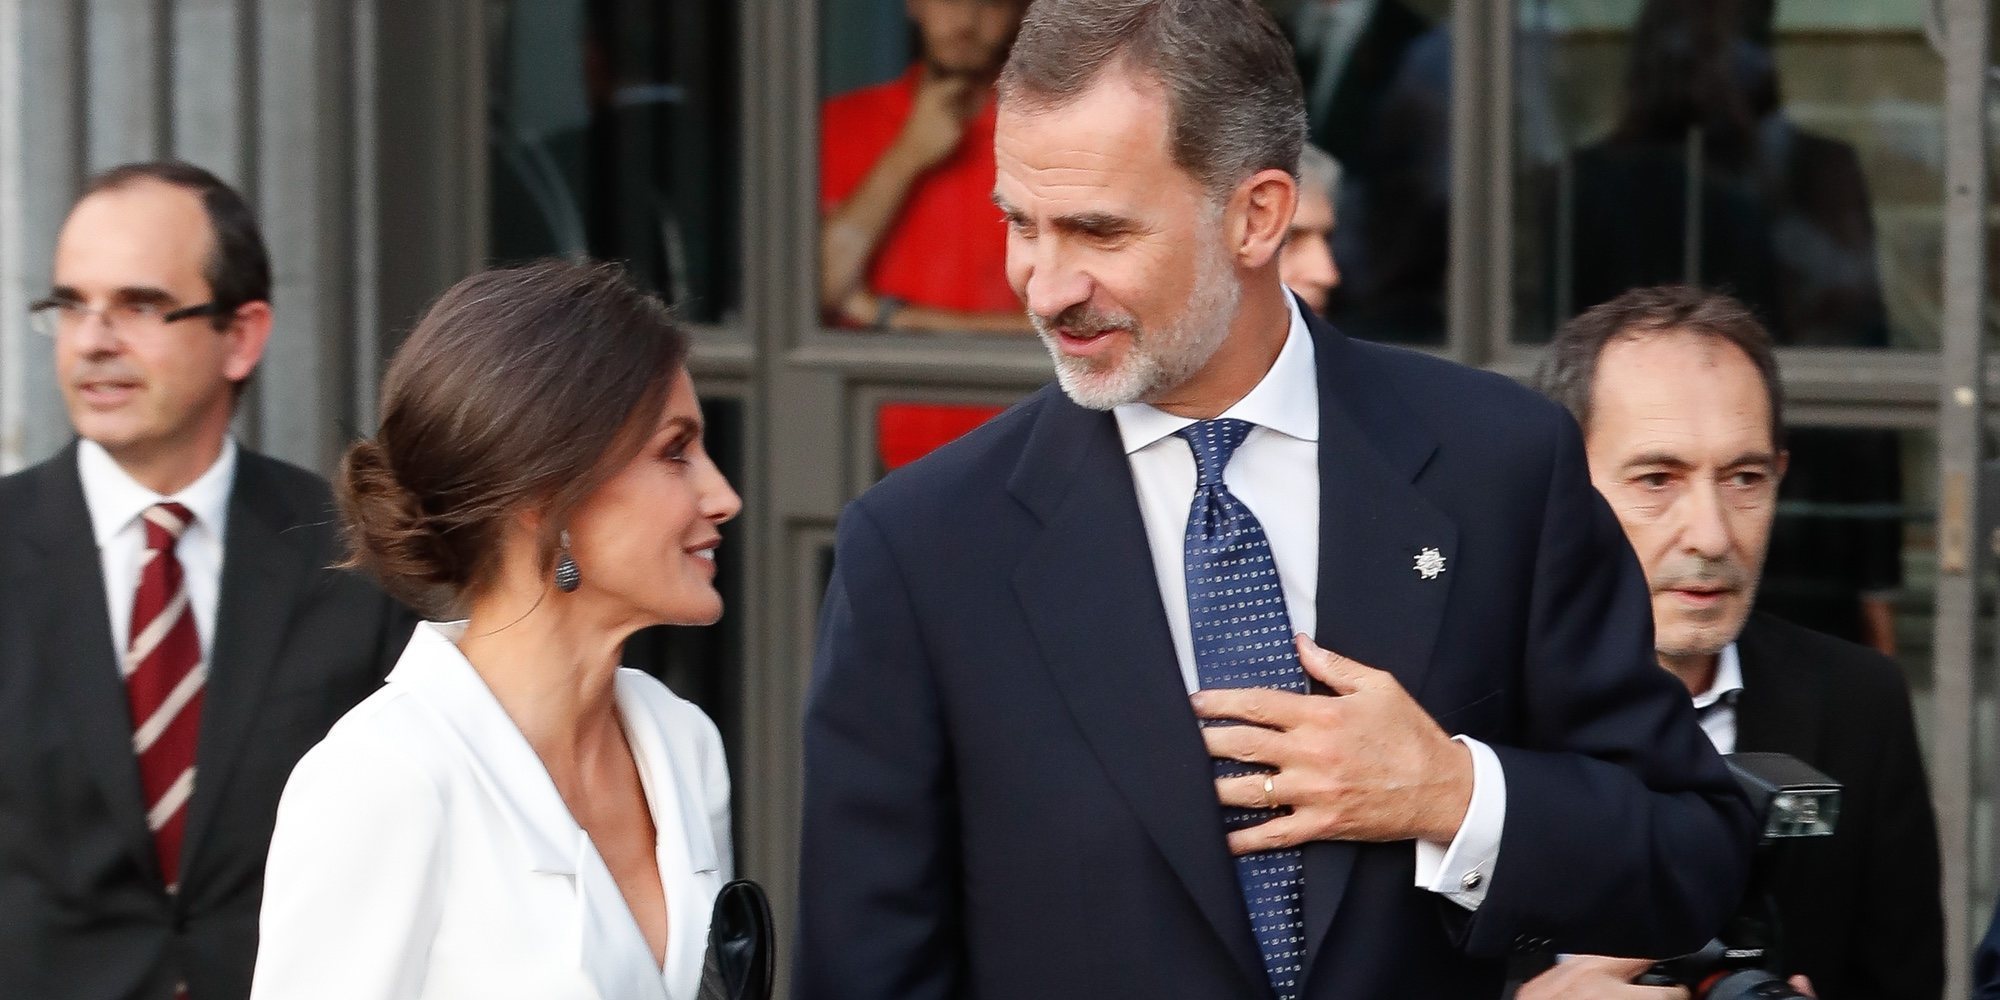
(910, 238)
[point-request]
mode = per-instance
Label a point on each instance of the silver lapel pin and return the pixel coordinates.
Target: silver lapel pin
(1430, 563)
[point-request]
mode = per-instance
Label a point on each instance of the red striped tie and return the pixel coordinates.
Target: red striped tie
(163, 682)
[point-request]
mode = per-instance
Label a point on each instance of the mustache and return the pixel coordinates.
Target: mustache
(1726, 574)
(103, 373)
(1084, 320)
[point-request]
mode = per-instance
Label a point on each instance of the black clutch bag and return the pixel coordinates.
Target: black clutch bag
(742, 946)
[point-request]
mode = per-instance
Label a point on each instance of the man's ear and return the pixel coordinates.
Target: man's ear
(1260, 214)
(1784, 462)
(249, 330)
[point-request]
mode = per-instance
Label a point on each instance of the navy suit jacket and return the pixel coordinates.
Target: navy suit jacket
(1006, 792)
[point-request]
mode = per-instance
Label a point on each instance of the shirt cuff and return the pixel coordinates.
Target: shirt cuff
(1462, 871)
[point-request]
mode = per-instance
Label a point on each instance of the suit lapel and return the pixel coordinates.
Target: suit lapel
(1373, 603)
(1779, 709)
(67, 588)
(1094, 608)
(263, 576)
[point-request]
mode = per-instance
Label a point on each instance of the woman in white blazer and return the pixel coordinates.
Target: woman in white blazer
(513, 815)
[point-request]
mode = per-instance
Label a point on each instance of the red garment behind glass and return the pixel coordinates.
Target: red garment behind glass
(947, 248)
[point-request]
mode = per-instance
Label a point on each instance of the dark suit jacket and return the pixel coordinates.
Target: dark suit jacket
(1859, 909)
(1006, 792)
(83, 912)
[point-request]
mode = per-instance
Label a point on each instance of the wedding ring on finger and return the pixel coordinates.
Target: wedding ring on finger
(1270, 793)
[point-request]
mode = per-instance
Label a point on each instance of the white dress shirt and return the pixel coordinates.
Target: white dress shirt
(1275, 472)
(116, 501)
(1716, 707)
(422, 851)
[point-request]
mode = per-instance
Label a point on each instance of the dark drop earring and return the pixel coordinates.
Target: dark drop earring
(567, 578)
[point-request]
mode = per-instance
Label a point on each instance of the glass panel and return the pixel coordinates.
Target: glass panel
(1377, 76)
(906, 431)
(911, 240)
(1853, 551)
(1788, 151)
(613, 133)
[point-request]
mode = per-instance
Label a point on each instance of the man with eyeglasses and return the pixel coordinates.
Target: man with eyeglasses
(171, 637)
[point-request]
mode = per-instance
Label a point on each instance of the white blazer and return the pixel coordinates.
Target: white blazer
(422, 851)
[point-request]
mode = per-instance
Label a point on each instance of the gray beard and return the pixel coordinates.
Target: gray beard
(1162, 360)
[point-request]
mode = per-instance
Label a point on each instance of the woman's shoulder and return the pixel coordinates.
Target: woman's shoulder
(389, 734)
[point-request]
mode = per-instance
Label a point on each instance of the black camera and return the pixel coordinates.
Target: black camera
(1747, 961)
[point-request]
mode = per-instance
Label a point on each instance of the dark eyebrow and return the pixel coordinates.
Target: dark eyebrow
(146, 294)
(1096, 224)
(1657, 458)
(1013, 214)
(143, 294)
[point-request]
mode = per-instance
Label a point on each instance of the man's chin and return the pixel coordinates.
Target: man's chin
(1692, 639)
(1095, 390)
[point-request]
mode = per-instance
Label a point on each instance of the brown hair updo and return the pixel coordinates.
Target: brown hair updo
(521, 387)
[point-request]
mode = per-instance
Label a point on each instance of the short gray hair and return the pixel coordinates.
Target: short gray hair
(1234, 102)
(1318, 171)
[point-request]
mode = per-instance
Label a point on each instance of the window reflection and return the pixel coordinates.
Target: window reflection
(613, 135)
(1377, 78)
(1835, 562)
(910, 239)
(1746, 145)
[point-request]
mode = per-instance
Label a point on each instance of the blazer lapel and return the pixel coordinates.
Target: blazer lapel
(1779, 709)
(67, 587)
(601, 933)
(263, 576)
(1111, 655)
(1375, 601)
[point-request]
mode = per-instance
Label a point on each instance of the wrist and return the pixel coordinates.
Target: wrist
(1453, 798)
(886, 308)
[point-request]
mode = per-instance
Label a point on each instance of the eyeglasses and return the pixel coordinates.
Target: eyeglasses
(53, 317)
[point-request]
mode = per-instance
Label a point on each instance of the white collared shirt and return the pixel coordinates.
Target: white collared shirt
(116, 501)
(1716, 707)
(1275, 472)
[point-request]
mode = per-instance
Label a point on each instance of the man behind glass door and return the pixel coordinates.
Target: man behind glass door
(909, 239)
(1305, 262)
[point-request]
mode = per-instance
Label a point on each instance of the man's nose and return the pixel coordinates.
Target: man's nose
(1053, 285)
(1704, 522)
(93, 333)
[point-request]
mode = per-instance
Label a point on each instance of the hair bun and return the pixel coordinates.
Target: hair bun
(388, 534)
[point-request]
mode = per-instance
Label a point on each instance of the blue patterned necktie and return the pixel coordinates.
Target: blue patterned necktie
(1243, 638)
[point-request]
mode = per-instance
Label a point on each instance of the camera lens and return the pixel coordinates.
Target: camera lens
(1751, 984)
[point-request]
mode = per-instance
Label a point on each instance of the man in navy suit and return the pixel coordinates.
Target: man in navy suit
(1021, 780)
